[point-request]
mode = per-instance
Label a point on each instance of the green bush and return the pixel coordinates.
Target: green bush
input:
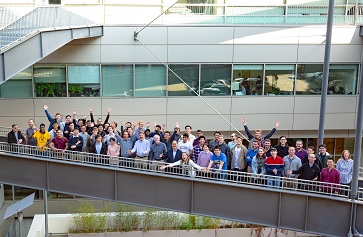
(127, 219)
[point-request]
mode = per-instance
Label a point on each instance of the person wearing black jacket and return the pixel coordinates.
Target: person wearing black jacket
(308, 171)
(282, 148)
(15, 136)
(99, 148)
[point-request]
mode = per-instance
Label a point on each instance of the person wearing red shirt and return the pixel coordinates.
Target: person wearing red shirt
(331, 178)
(274, 166)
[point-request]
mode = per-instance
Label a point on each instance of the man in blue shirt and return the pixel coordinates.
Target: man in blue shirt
(142, 149)
(251, 153)
(220, 161)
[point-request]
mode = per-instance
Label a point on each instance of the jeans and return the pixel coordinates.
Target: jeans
(274, 181)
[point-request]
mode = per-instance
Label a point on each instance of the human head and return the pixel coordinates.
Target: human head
(217, 150)
(88, 123)
(42, 128)
(311, 158)
(99, 121)
(157, 127)
(310, 150)
(322, 149)
(98, 138)
(299, 144)
(283, 140)
(201, 140)
(110, 130)
(15, 127)
(125, 135)
(147, 132)
(267, 144)
(57, 116)
(112, 140)
(216, 135)
(174, 145)
(31, 123)
(166, 135)
(100, 128)
(346, 154)
(254, 145)
(205, 147)
(68, 119)
(184, 157)
(141, 135)
(75, 132)
(258, 133)
(71, 126)
(80, 122)
(185, 137)
(130, 131)
(106, 126)
(59, 133)
(156, 139)
(273, 152)
(233, 136)
(199, 133)
(291, 151)
(113, 124)
(261, 152)
(239, 141)
(128, 124)
(83, 128)
(141, 124)
(188, 129)
(330, 163)
(95, 130)
(220, 139)
(55, 125)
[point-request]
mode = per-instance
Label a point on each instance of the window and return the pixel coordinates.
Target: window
(50, 81)
(279, 79)
(117, 80)
(247, 80)
(189, 74)
(215, 80)
(150, 80)
(19, 86)
(84, 81)
(343, 79)
(308, 79)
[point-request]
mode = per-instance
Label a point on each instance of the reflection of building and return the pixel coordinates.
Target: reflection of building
(277, 64)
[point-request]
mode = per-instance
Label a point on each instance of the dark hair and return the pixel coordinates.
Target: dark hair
(255, 141)
(59, 130)
(216, 133)
(202, 137)
(100, 125)
(158, 126)
(147, 130)
(311, 147)
(282, 137)
(112, 139)
(97, 136)
(216, 148)
(188, 126)
(14, 125)
(330, 158)
(54, 122)
(322, 145)
(57, 114)
(205, 144)
(166, 132)
(42, 125)
(68, 116)
(266, 140)
(199, 130)
(185, 135)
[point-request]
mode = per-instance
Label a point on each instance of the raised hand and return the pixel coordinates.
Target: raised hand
(122, 123)
(109, 110)
(45, 107)
(244, 120)
(90, 109)
(74, 112)
(176, 124)
(277, 123)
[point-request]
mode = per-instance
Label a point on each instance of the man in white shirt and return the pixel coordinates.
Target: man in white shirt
(186, 146)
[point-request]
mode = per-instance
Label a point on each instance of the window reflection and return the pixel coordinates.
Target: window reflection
(342, 79)
(189, 74)
(150, 80)
(215, 80)
(19, 86)
(117, 80)
(308, 79)
(84, 81)
(279, 79)
(50, 80)
(247, 80)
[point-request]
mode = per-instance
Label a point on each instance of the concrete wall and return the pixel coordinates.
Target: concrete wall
(208, 44)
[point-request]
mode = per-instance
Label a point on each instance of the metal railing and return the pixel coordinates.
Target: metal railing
(41, 18)
(266, 181)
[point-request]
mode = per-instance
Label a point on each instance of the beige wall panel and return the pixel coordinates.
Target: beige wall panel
(136, 106)
(125, 35)
(132, 54)
(200, 35)
(340, 35)
(334, 104)
(345, 53)
(340, 121)
(265, 121)
(203, 122)
(16, 107)
(306, 121)
(262, 105)
(311, 53)
(66, 106)
(265, 53)
(195, 105)
(21, 121)
(74, 54)
(200, 53)
(266, 35)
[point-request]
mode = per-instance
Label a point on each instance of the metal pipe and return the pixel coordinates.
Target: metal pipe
(324, 86)
(45, 212)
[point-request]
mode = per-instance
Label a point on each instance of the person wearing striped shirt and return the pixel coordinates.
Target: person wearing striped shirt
(345, 167)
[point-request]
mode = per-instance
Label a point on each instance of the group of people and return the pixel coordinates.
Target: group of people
(138, 141)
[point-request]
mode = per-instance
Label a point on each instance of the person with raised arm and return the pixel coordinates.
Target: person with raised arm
(258, 133)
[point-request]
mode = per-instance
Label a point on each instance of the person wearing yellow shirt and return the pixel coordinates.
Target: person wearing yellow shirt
(42, 137)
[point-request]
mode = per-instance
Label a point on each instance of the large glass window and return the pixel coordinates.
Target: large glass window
(150, 80)
(84, 80)
(215, 80)
(50, 81)
(117, 80)
(308, 79)
(19, 86)
(279, 79)
(343, 79)
(189, 74)
(247, 80)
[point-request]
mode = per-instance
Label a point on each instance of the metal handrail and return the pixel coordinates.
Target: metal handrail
(80, 158)
(38, 19)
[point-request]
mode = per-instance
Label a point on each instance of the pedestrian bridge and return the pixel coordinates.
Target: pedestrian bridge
(241, 197)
